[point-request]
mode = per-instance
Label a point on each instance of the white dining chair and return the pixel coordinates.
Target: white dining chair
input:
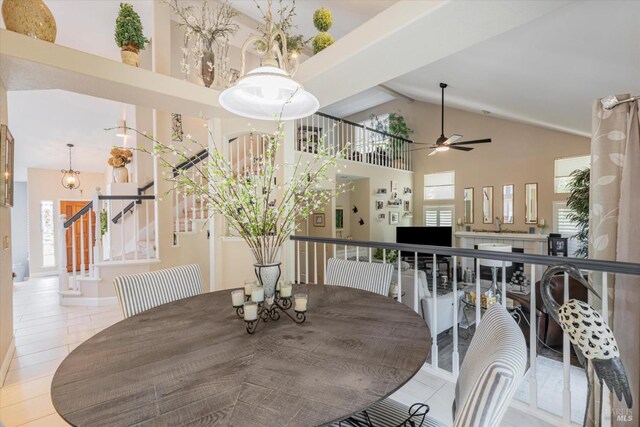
(368, 276)
(139, 292)
(489, 376)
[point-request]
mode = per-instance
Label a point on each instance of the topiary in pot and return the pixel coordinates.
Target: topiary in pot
(128, 34)
(322, 41)
(322, 19)
(578, 202)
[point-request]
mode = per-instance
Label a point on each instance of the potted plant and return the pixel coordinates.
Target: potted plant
(578, 202)
(206, 38)
(322, 20)
(396, 126)
(295, 42)
(120, 157)
(264, 213)
(129, 36)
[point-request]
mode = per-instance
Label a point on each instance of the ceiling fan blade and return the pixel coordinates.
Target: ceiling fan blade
(475, 141)
(424, 147)
(452, 139)
(432, 153)
(461, 148)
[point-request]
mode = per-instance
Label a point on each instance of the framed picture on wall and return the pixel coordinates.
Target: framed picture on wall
(6, 166)
(339, 218)
(407, 206)
(394, 218)
(382, 216)
(406, 190)
(381, 191)
(379, 205)
(394, 185)
(318, 220)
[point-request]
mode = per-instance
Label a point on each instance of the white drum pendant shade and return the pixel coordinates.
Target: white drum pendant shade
(268, 93)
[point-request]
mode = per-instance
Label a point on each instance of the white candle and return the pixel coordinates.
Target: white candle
(237, 297)
(278, 286)
(248, 288)
(257, 294)
(285, 290)
(300, 301)
(250, 311)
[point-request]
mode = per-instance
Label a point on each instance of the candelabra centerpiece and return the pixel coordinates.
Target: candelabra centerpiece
(250, 304)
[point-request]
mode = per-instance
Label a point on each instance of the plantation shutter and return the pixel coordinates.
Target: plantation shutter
(438, 216)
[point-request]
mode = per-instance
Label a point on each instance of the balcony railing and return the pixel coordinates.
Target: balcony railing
(364, 145)
(450, 306)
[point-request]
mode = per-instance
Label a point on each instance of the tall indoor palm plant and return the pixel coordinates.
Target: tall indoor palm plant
(578, 202)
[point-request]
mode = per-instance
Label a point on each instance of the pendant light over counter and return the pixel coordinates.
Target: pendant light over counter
(269, 92)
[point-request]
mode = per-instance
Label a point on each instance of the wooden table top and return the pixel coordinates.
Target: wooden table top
(192, 362)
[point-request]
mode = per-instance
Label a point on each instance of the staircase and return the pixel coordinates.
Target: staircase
(122, 237)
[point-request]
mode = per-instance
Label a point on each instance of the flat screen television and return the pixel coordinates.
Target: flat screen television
(434, 236)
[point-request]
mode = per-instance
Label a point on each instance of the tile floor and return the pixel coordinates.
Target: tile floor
(46, 332)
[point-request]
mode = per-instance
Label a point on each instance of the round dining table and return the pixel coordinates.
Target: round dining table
(192, 362)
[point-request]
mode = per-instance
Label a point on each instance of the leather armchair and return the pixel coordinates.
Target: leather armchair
(548, 331)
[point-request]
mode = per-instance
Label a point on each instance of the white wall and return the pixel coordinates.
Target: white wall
(19, 226)
(6, 283)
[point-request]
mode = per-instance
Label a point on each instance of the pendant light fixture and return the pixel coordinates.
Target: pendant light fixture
(70, 177)
(269, 92)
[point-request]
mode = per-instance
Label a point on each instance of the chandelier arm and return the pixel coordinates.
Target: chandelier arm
(243, 52)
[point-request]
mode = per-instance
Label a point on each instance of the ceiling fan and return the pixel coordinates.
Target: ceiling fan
(443, 143)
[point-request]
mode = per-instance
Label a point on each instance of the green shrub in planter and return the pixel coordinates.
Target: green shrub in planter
(322, 41)
(322, 19)
(128, 34)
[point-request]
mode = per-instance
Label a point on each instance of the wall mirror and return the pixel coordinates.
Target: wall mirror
(467, 198)
(487, 205)
(507, 204)
(531, 203)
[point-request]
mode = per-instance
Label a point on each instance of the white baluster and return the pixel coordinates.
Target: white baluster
(177, 207)
(416, 297)
(399, 279)
(370, 258)
(306, 262)
(82, 264)
(97, 248)
(455, 356)
(504, 285)
(315, 263)
(606, 394)
(298, 265)
(73, 254)
(122, 234)
(434, 313)
(148, 227)
(193, 200)
(566, 363)
(533, 336)
(324, 262)
(62, 253)
(136, 231)
(478, 299)
(90, 249)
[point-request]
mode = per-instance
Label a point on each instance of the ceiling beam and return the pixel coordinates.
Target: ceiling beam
(407, 36)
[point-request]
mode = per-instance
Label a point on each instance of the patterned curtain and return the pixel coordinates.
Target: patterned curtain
(614, 234)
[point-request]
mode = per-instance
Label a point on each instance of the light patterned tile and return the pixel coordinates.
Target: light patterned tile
(39, 357)
(20, 392)
(28, 410)
(32, 372)
(53, 420)
(413, 392)
(49, 343)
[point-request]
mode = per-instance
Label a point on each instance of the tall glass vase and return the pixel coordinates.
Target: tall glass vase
(268, 276)
(268, 273)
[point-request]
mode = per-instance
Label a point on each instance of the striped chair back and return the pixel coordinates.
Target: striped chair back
(368, 276)
(140, 292)
(491, 372)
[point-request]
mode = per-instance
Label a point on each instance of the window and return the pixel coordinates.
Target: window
(440, 186)
(564, 168)
(438, 216)
(563, 225)
(46, 225)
